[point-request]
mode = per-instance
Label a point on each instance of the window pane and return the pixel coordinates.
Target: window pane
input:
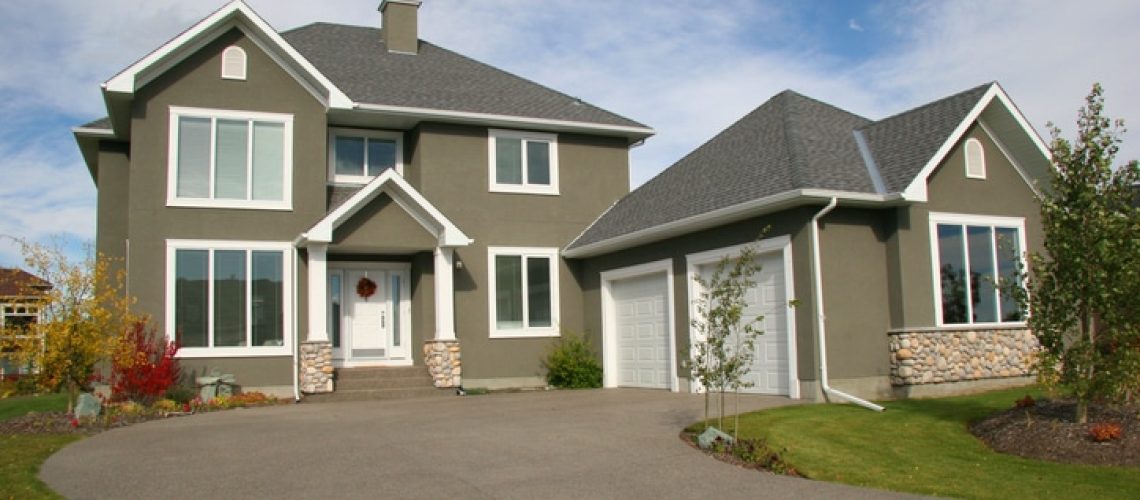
(193, 158)
(395, 304)
(952, 267)
(267, 307)
(538, 291)
(229, 298)
(508, 291)
(334, 309)
(381, 156)
(190, 299)
(349, 155)
(1009, 255)
(268, 161)
(508, 161)
(538, 163)
(983, 292)
(230, 159)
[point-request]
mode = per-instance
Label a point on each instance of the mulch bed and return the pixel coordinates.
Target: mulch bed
(58, 422)
(1047, 431)
(690, 438)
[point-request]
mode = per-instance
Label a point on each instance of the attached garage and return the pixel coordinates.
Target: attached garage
(773, 365)
(638, 334)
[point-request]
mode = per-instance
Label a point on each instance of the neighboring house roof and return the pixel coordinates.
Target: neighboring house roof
(20, 283)
(356, 60)
(794, 150)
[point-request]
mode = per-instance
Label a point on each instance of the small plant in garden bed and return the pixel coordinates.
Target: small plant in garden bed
(570, 363)
(1105, 431)
(753, 453)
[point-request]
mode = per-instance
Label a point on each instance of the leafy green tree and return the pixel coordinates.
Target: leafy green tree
(1084, 292)
(724, 356)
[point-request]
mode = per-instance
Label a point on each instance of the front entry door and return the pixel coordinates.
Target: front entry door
(371, 306)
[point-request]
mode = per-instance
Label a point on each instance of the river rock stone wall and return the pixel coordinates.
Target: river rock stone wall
(443, 362)
(938, 356)
(316, 367)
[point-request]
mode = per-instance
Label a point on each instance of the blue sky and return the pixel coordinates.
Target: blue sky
(687, 68)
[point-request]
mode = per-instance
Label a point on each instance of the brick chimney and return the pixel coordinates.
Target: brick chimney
(398, 25)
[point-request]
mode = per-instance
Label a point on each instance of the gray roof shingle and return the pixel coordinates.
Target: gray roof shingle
(790, 142)
(355, 59)
(102, 123)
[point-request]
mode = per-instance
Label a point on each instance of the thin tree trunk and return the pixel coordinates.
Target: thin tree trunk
(722, 407)
(706, 408)
(736, 416)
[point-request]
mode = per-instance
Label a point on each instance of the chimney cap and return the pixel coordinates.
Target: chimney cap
(413, 3)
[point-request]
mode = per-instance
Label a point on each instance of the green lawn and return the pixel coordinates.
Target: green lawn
(923, 446)
(22, 454)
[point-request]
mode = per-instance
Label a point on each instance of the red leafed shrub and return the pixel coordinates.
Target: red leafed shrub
(144, 367)
(1105, 431)
(1026, 402)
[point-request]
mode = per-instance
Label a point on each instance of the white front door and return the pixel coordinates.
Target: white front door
(369, 314)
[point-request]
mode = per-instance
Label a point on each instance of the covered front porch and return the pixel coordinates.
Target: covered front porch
(380, 292)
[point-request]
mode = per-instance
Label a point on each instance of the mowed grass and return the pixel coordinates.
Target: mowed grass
(924, 446)
(22, 454)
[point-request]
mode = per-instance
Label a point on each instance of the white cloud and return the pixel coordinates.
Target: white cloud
(854, 25)
(687, 68)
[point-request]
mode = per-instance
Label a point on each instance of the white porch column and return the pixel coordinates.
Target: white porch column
(444, 293)
(318, 292)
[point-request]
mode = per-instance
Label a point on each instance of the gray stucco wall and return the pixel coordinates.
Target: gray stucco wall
(112, 201)
(196, 82)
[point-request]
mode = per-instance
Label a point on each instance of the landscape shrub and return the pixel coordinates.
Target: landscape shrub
(144, 366)
(1105, 431)
(571, 363)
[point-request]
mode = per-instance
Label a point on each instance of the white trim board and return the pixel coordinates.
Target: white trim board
(609, 329)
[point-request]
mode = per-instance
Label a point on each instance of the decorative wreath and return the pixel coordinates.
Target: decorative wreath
(365, 288)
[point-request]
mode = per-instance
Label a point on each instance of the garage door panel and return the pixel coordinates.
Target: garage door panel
(643, 331)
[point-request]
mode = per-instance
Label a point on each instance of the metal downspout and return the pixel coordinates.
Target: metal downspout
(821, 318)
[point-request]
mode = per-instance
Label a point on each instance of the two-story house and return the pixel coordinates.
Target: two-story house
(295, 205)
(339, 196)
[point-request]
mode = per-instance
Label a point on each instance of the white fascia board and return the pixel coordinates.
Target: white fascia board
(727, 215)
(405, 196)
(508, 121)
(916, 191)
(127, 81)
(100, 133)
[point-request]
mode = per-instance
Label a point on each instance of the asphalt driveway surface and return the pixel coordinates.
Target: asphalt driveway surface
(613, 443)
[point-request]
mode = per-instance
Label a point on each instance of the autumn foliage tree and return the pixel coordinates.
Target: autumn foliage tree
(83, 317)
(1084, 291)
(143, 366)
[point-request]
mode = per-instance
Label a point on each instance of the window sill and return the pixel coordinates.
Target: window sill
(231, 204)
(233, 352)
(961, 327)
(517, 189)
(525, 334)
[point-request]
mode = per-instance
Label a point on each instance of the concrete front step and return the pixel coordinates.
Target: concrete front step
(376, 383)
(342, 395)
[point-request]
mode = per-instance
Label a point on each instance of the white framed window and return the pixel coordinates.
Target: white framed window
(975, 159)
(523, 162)
(233, 63)
(972, 255)
(230, 159)
(523, 291)
(357, 156)
(229, 298)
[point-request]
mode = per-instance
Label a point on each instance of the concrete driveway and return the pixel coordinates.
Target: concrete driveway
(613, 443)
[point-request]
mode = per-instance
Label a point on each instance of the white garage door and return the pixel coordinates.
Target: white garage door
(642, 322)
(769, 373)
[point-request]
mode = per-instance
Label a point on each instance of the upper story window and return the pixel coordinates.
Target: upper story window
(523, 162)
(973, 255)
(356, 156)
(975, 159)
(233, 63)
(230, 159)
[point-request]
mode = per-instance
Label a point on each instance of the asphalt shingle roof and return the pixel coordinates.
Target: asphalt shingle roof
(790, 142)
(20, 283)
(355, 59)
(102, 123)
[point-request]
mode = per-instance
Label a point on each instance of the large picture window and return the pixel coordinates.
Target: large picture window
(523, 162)
(524, 292)
(230, 159)
(228, 298)
(358, 156)
(973, 257)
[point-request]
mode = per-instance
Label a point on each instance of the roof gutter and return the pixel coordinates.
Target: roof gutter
(821, 318)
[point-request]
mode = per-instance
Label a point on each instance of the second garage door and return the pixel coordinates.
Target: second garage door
(642, 325)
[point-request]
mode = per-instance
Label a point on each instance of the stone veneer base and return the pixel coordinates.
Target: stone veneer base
(316, 375)
(936, 356)
(443, 362)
